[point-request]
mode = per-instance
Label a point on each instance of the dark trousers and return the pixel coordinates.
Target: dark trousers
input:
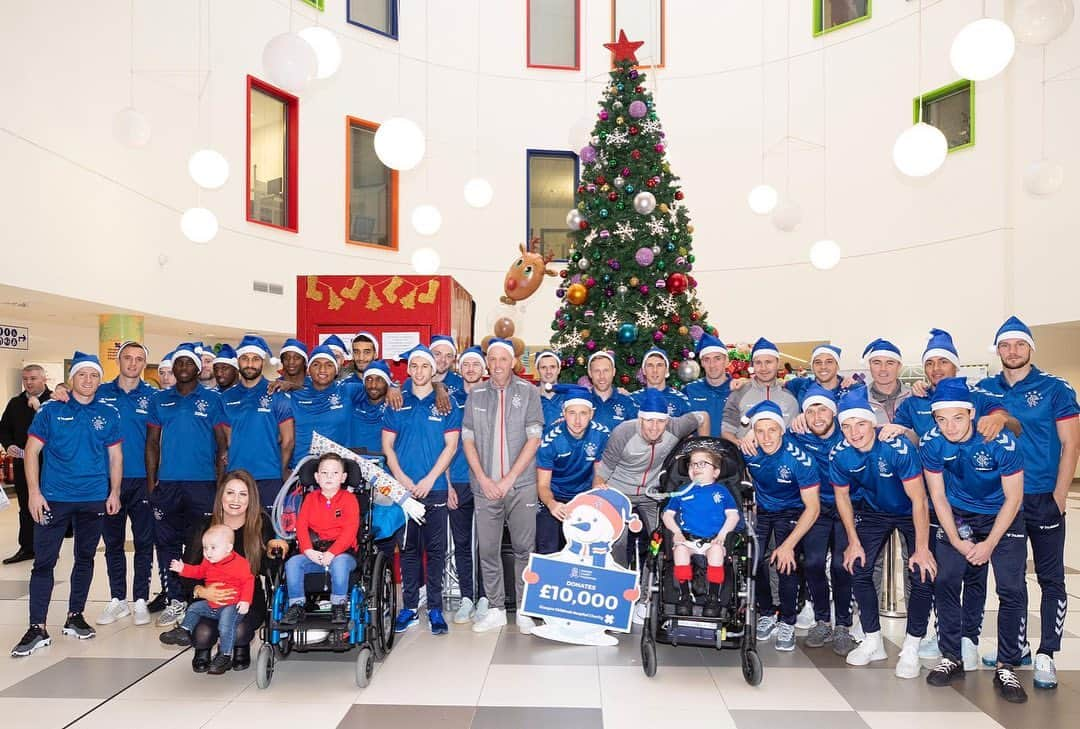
(549, 533)
(429, 537)
(134, 505)
(178, 506)
(778, 525)
(1045, 526)
(874, 529)
(461, 530)
(268, 491)
(827, 536)
(973, 593)
(85, 519)
(1009, 561)
(22, 495)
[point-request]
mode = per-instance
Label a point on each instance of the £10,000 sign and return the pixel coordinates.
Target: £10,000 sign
(579, 593)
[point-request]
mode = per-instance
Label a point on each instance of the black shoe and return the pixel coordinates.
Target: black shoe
(712, 602)
(685, 604)
(158, 604)
(241, 657)
(1008, 685)
(21, 556)
(200, 662)
(76, 626)
(36, 637)
(220, 664)
(944, 672)
(292, 616)
(175, 636)
(338, 615)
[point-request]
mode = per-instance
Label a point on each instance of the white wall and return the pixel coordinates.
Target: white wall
(100, 214)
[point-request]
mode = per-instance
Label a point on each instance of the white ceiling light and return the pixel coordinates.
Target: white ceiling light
(920, 150)
(290, 61)
(131, 127)
(426, 261)
(208, 168)
(824, 254)
(787, 216)
(327, 50)
(478, 192)
(763, 199)
(1037, 22)
(199, 225)
(399, 143)
(426, 219)
(982, 49)
(1043, 178)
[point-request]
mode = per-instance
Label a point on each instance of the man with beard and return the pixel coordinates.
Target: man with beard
(711, 391)
(226, 368)
(445, 351)
(262, 433)
(365, 348)
(612, 407)
(294, 362)
(763, 386)
(14, 426)
(206, 362)
(825, 363)
(365, 428)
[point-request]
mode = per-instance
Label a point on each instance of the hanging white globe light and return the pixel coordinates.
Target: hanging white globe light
(289, 61)
(982, 49)
(327, 50)
(426, 261)
(199, 225)
(399, 143)
(1036, 22)
(130, 127)
(920, 150)
(208, 168)
(787, 215)
(763, 199)
(824, 254)
(1043, 178)
(426, 219)
(478, 192)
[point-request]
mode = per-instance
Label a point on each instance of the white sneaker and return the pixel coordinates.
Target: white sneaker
(482, 606)
(173, 614)
(871, 649)
(464, 612)
(525, 624)
(928, 648)
(1045, 676)
(493, 620)
(970, 653)
(805, 619)
(142, 612)
(909, 666)
(641, 612)
(115, 610)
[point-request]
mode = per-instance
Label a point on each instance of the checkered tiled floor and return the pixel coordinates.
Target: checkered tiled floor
(124, 677)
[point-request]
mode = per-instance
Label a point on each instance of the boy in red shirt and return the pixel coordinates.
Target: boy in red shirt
(222, 565)
(326, 530)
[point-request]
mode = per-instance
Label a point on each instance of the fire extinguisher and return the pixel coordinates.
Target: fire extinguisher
(7, 469)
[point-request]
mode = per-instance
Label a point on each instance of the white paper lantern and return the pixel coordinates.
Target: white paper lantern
(208, 168)
(478, 192)
(199, 225)
(920, 150)
(824, 254)
(426, 219)
(131, 127)
(290, 61)
(399, 143)
(426, 261)
(763, 199)
(787, 215)
(1043, 178)
(982, 49)
(1036, 22)
(327, 50)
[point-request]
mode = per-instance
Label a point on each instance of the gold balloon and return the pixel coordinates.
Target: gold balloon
(580, 360)
(576, 294)
(519, 346)
(689, 229)
(634, 281)
(484, 342)
(605, 188)
(663, 208)
(619, 120)
(504, 327)
(585, 333)
(683, 331)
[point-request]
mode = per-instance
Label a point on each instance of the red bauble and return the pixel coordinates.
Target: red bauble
(583, 225)
(562, 273)
(613, 196)
(677, 283)
(590, 282)
(639, 89)
(679, 195)
(636, 154)
(675, 318)
(659, 148)
(580, 189)
(600, 180)
(664, 328)
(625, 379)
(633, 129)
(694, 316)
(650, 182)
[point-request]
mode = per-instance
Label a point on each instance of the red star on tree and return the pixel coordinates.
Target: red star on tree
(624, 49)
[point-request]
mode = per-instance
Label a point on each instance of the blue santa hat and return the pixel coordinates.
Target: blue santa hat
(295, 346)
(226, 355)
(472, 352)
(191, 350)
(765, 410)
(443, 340)
(764, 347)
(941, 345)
(504, 343)
(574, 395)
(132, 343)
(656, 352)
(418, 351)
(378, 368)
(254, 344)
(335, 344)
(166, 361)
(818, 395)
(83, 361)
(653, 406)
(323, 351)
(547, 353)
(708, 344)
(368, 337)
(200, 349)
(882, 348)
(829, 350)
(606, 354)
(854, 404)
(951, 392)
(1013, 328)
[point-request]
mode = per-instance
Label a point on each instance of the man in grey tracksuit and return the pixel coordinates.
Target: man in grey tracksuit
(762, 386)
(500, 432)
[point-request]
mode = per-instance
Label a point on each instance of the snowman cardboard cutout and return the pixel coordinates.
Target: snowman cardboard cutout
(580, 592)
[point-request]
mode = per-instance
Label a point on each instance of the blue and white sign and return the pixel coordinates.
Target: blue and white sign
(12, 337)
(579, 593)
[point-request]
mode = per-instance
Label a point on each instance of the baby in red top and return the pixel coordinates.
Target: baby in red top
(220, 564)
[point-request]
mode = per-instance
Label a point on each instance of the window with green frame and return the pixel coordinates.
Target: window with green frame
(319, 5)
(830, 15)
(952, 110)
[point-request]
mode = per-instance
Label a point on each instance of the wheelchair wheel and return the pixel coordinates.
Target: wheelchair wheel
(752, 670)
(365, 666)
(264, 666)
(648, 655)
(383, 606)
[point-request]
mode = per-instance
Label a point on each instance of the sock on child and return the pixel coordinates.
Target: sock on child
(715, 575)
(683, 573)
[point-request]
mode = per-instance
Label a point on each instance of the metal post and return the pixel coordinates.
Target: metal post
(891, 601)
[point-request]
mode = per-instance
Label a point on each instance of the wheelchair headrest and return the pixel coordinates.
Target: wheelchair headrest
(307, 467)
(675, 472)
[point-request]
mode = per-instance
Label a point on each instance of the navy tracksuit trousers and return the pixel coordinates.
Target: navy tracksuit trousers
(178, 506)
(1045, 526)
(431, 538)
(874, 529)
(134, 505)
(778, 525)
(827, 535)
(461, 530)
(85, 519)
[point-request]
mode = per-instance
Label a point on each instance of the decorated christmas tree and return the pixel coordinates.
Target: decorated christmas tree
(628, 285)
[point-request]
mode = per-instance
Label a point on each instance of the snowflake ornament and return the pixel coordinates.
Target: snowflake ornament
(618, 138)
(610, 322)
(656, 226)
(652, 126)
(625, 231)
(645, 318)
(573, 340)
(667, 304)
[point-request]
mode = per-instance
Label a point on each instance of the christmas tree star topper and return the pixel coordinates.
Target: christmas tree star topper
(624, 49)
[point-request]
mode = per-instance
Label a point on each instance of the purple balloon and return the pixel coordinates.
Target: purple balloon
(638, 109)
(584, 381)
(644, 256)
(696, 332)
(588, 152)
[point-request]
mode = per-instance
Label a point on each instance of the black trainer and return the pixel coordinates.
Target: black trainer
(1008, 685)
(293, 615)
(158, 603)
(712, 601)
(175, 636)
(241, 657)
(76, 625)
(200, 662)
(220, 664)
(685, 604)
(338, 615)
(36, 637)
(944, 672)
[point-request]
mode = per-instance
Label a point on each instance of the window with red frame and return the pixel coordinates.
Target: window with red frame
(643, 20)
(552, 34)
(271, 155)
(371, 189)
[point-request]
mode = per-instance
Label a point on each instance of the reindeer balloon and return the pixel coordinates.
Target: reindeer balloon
(522, 280)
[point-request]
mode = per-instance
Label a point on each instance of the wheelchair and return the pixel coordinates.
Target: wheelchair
(372, 600)
(735, 627)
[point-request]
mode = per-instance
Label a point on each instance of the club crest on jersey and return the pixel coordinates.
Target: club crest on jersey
(590, 450)
(717, 497)
(142, 404)
(98, 422)
(202, 406)
(516, 400)
(784, 474)
(883, 468)
(335, 400)
(264, 402)
(983, 461)
(619, 411)
(1033, 398)
(434, 411)
(671, 409)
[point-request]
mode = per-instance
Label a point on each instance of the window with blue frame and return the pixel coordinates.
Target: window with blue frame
(551, 177)
(378, 16)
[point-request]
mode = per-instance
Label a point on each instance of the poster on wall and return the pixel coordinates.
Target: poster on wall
(394, 343)
(13, 337)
